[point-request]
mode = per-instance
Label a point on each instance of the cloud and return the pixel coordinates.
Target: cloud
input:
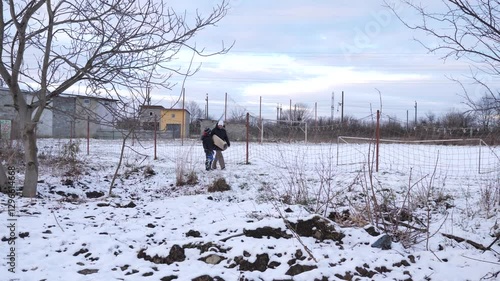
(323, 79)
(289, 50)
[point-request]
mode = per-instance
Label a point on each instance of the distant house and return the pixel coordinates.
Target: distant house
(149, 116)
(66, 116)
(173, 122)
(76, 116)
(176, 122)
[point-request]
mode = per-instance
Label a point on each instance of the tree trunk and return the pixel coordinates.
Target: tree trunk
(3, 179)
(125, 137)
(31, 159)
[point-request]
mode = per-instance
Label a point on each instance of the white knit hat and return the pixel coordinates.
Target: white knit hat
(221, 123)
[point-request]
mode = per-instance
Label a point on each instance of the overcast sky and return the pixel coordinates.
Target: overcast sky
(303, 51)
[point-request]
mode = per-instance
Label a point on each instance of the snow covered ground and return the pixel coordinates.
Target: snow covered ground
(153, 229)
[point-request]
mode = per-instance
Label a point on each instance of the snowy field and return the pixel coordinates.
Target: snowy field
(153, 229)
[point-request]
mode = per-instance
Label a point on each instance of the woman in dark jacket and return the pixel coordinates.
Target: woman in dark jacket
(220, 131)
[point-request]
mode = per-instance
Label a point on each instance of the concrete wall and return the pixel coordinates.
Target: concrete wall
(150, 114)
(44, 127)
(7, 115)
(93, 115)
(64, 117)
(7, 112)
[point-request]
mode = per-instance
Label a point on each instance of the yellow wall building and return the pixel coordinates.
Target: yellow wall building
(175, 121)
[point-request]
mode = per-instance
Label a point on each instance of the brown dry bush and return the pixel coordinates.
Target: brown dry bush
(220, 185)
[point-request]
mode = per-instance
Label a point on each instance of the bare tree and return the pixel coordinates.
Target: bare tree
(238, 115)
(455, 119)
(105, 45)
(299, 112)
(195, 111)
(431, 117)
(465, 30)
(485, 111)
(128, 110)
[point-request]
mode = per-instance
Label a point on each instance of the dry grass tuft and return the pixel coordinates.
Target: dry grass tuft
(219, 185)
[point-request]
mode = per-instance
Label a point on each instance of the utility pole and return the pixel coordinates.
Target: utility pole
(206, 108)
(277, 111)
(407, 120)
(183, 122)
(148, 95)
(342, 109)
(333, 105)
(260, 120)
(260, 111)
(225, 108)
(316, 113)
(415, 113)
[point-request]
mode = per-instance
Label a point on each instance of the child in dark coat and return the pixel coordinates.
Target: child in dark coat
(208, 147)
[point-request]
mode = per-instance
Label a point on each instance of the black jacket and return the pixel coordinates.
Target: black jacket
(208, 142)
(221, 133)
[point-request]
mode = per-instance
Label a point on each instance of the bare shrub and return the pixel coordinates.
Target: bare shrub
(12, 153)
(296, 189)
(70, 151)
(69, 159)
(347, 218)
(64, 161)
(149, 172)
(183, 177)
(401, 216)
(317, 193)
(219, 185)
(490, 198)
(130, 170)
(192, 178)
(326, 196)
(426, 194)
(265, 193)
(185, 173)
(179, 174)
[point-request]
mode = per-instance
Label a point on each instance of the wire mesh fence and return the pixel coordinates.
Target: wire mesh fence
(464, 152)
(468, 159)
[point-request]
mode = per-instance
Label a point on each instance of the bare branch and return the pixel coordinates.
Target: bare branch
(465, 30)
(108, 47)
